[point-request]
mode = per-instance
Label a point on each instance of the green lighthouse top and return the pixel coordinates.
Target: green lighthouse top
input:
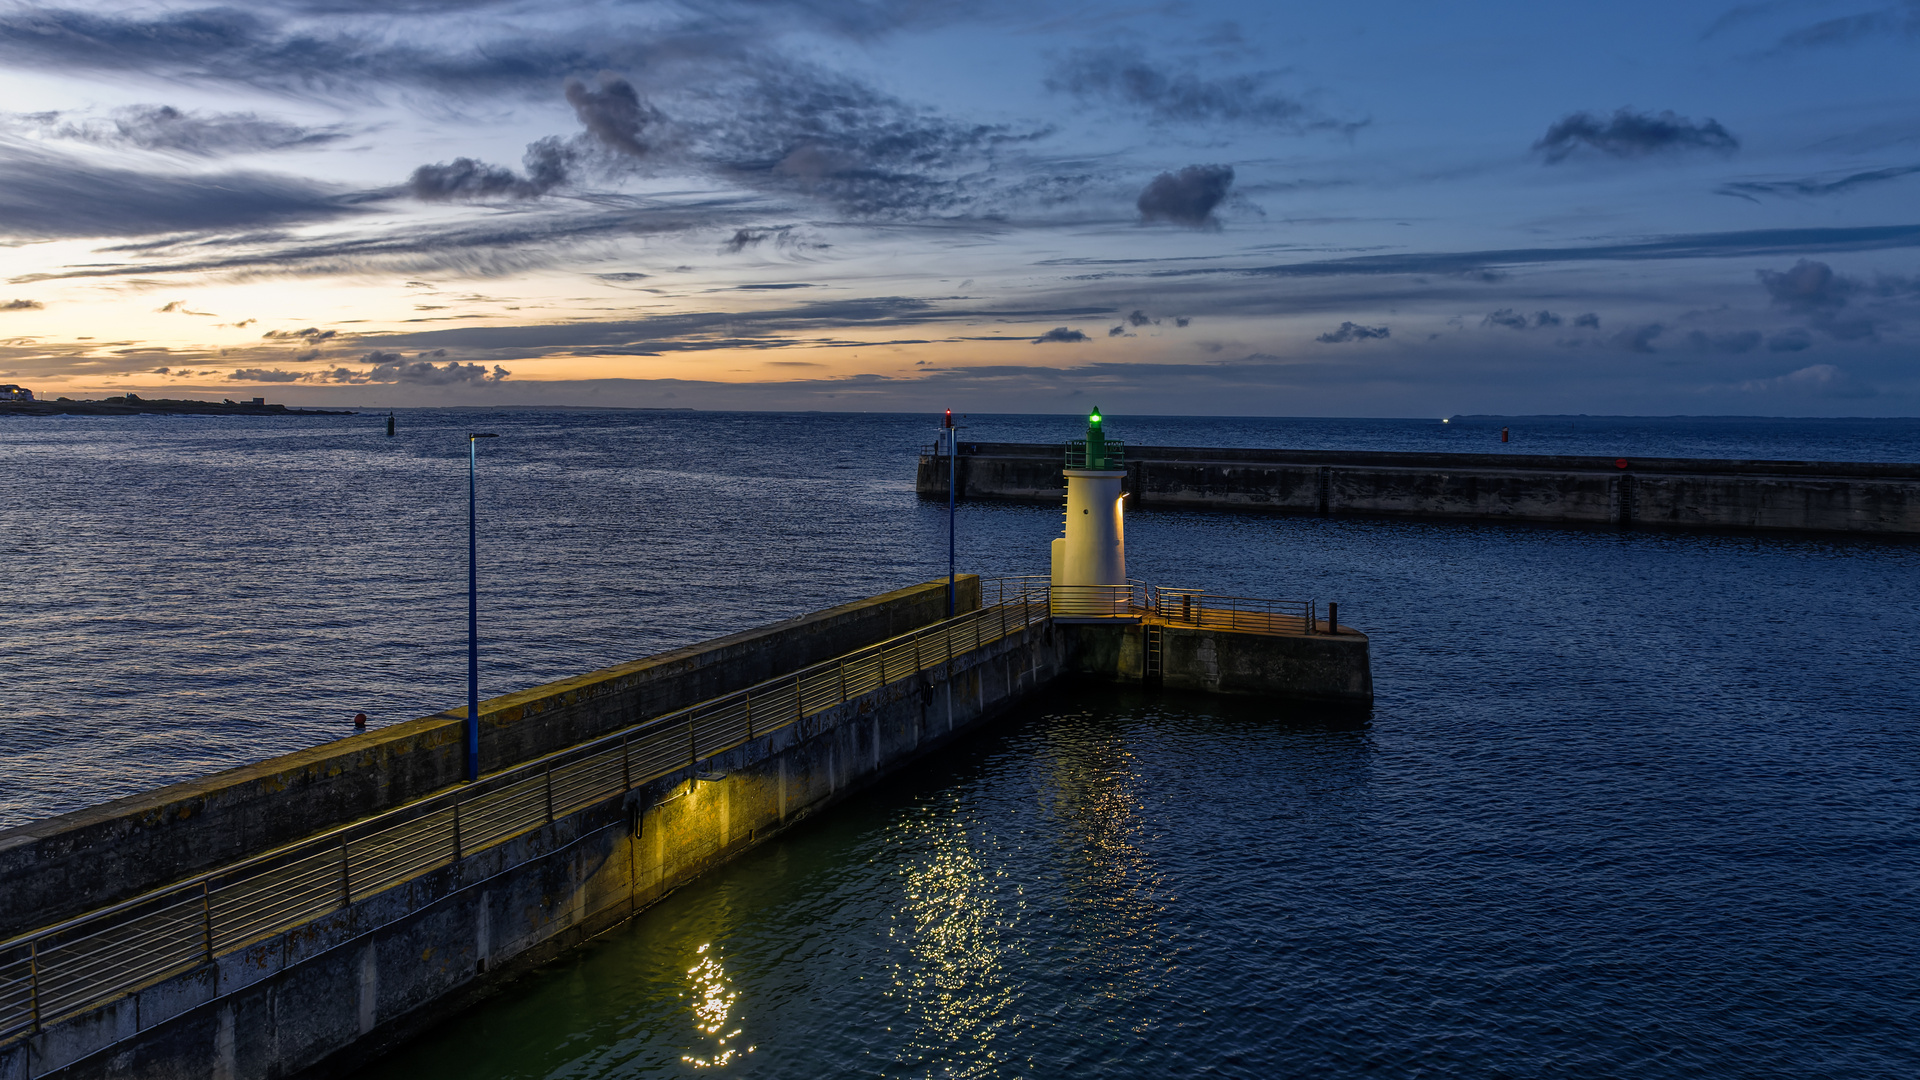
(1096, 451)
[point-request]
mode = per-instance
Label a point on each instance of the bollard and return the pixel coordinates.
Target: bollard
(389, 425)
(1333, 617)
(1503, 434)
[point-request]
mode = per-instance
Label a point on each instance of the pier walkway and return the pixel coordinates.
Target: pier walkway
(326, 948)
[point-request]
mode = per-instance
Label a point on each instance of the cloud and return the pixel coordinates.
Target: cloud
(1811, 288)
(548, 163)
(1140, 318)
(1811, 188)
(180, 307)
(1182, 321)
(1589, 321)
(1901, 19)
(1119, 331)
(166, 129)
(1353, 332)
(1513, 320)
(1740, 341)
(424, 373)
(23, 305)
(1060, 334)
(1793, 340)
(613, 113)
(311, 333)
(1628, 134)
(744, 239)
(1639, 338)
(1683, 246)
(1180, 94)
(1817, 380)
(264, 375)
(49, 195)
(1187, 197)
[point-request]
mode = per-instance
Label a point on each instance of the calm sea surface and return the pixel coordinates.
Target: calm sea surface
(1629, 804)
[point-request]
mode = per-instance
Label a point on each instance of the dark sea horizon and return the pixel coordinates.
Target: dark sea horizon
(1629, 803)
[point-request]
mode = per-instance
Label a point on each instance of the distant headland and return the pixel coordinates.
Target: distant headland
(20, 402)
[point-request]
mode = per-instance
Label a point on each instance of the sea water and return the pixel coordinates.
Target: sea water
(1630, 803)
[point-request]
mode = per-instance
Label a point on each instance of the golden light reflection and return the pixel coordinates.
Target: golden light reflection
(1116, 891)
(955, 920)
(714, 999)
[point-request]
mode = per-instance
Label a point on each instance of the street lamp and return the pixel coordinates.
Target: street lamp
(473, 610)
(953, 454)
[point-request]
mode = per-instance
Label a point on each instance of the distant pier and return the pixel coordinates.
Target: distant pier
(1813, 496)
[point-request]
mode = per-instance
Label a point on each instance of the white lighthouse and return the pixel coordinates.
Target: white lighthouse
(1090, 561)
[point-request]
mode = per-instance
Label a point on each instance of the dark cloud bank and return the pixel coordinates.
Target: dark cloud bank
(1178, 94)
(1629, 134)
(164, 128)
(44, 194)
(1187, 197)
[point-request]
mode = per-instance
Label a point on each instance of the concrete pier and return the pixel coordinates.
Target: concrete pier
(1849, 497)
(247, 959)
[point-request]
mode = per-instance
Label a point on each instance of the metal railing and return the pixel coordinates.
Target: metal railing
(1196, 607)
(81, 963)
(1101, 601)
(1116, 454)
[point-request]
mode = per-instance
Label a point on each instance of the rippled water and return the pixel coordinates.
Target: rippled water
(1630, 803)
(183, 594)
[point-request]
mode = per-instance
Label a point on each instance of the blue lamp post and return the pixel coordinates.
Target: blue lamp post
(953, 454)
(473, 610)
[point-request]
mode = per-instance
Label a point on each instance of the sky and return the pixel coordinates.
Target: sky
(1358, 209)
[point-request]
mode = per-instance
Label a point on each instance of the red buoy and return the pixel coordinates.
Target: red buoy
(360, 720)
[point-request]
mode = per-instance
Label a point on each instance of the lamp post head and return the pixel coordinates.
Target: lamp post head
(481, 435)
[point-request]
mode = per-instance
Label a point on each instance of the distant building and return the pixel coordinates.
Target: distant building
(259, 401)
(10, 392)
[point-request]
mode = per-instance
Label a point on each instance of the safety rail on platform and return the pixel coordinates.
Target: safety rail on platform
(83, 962)
(1115, 458)
(1133, 599)
(1197, 607)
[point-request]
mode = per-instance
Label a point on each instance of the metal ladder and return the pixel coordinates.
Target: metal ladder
(1153, 653)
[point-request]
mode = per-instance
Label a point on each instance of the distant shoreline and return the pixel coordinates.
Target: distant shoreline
(156, 407)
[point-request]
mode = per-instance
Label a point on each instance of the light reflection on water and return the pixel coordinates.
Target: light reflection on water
(950, 979)
(713, 1001)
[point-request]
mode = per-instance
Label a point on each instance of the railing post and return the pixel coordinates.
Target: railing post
(841, 667)
(693, 752)
(549, 776)
(459, 848)
(746, 703)
(206, 917)
(33, 981)
(346, 879)
(626, 762)
(883, 663)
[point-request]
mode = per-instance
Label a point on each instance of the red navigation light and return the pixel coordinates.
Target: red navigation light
(949, 422)
(1619, 463)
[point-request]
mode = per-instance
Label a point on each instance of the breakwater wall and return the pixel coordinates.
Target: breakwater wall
(1851, 497)
(310, 957)
(65, 865)
(320, 953)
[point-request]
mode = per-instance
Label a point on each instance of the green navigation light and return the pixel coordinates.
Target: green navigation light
(1096, 441)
